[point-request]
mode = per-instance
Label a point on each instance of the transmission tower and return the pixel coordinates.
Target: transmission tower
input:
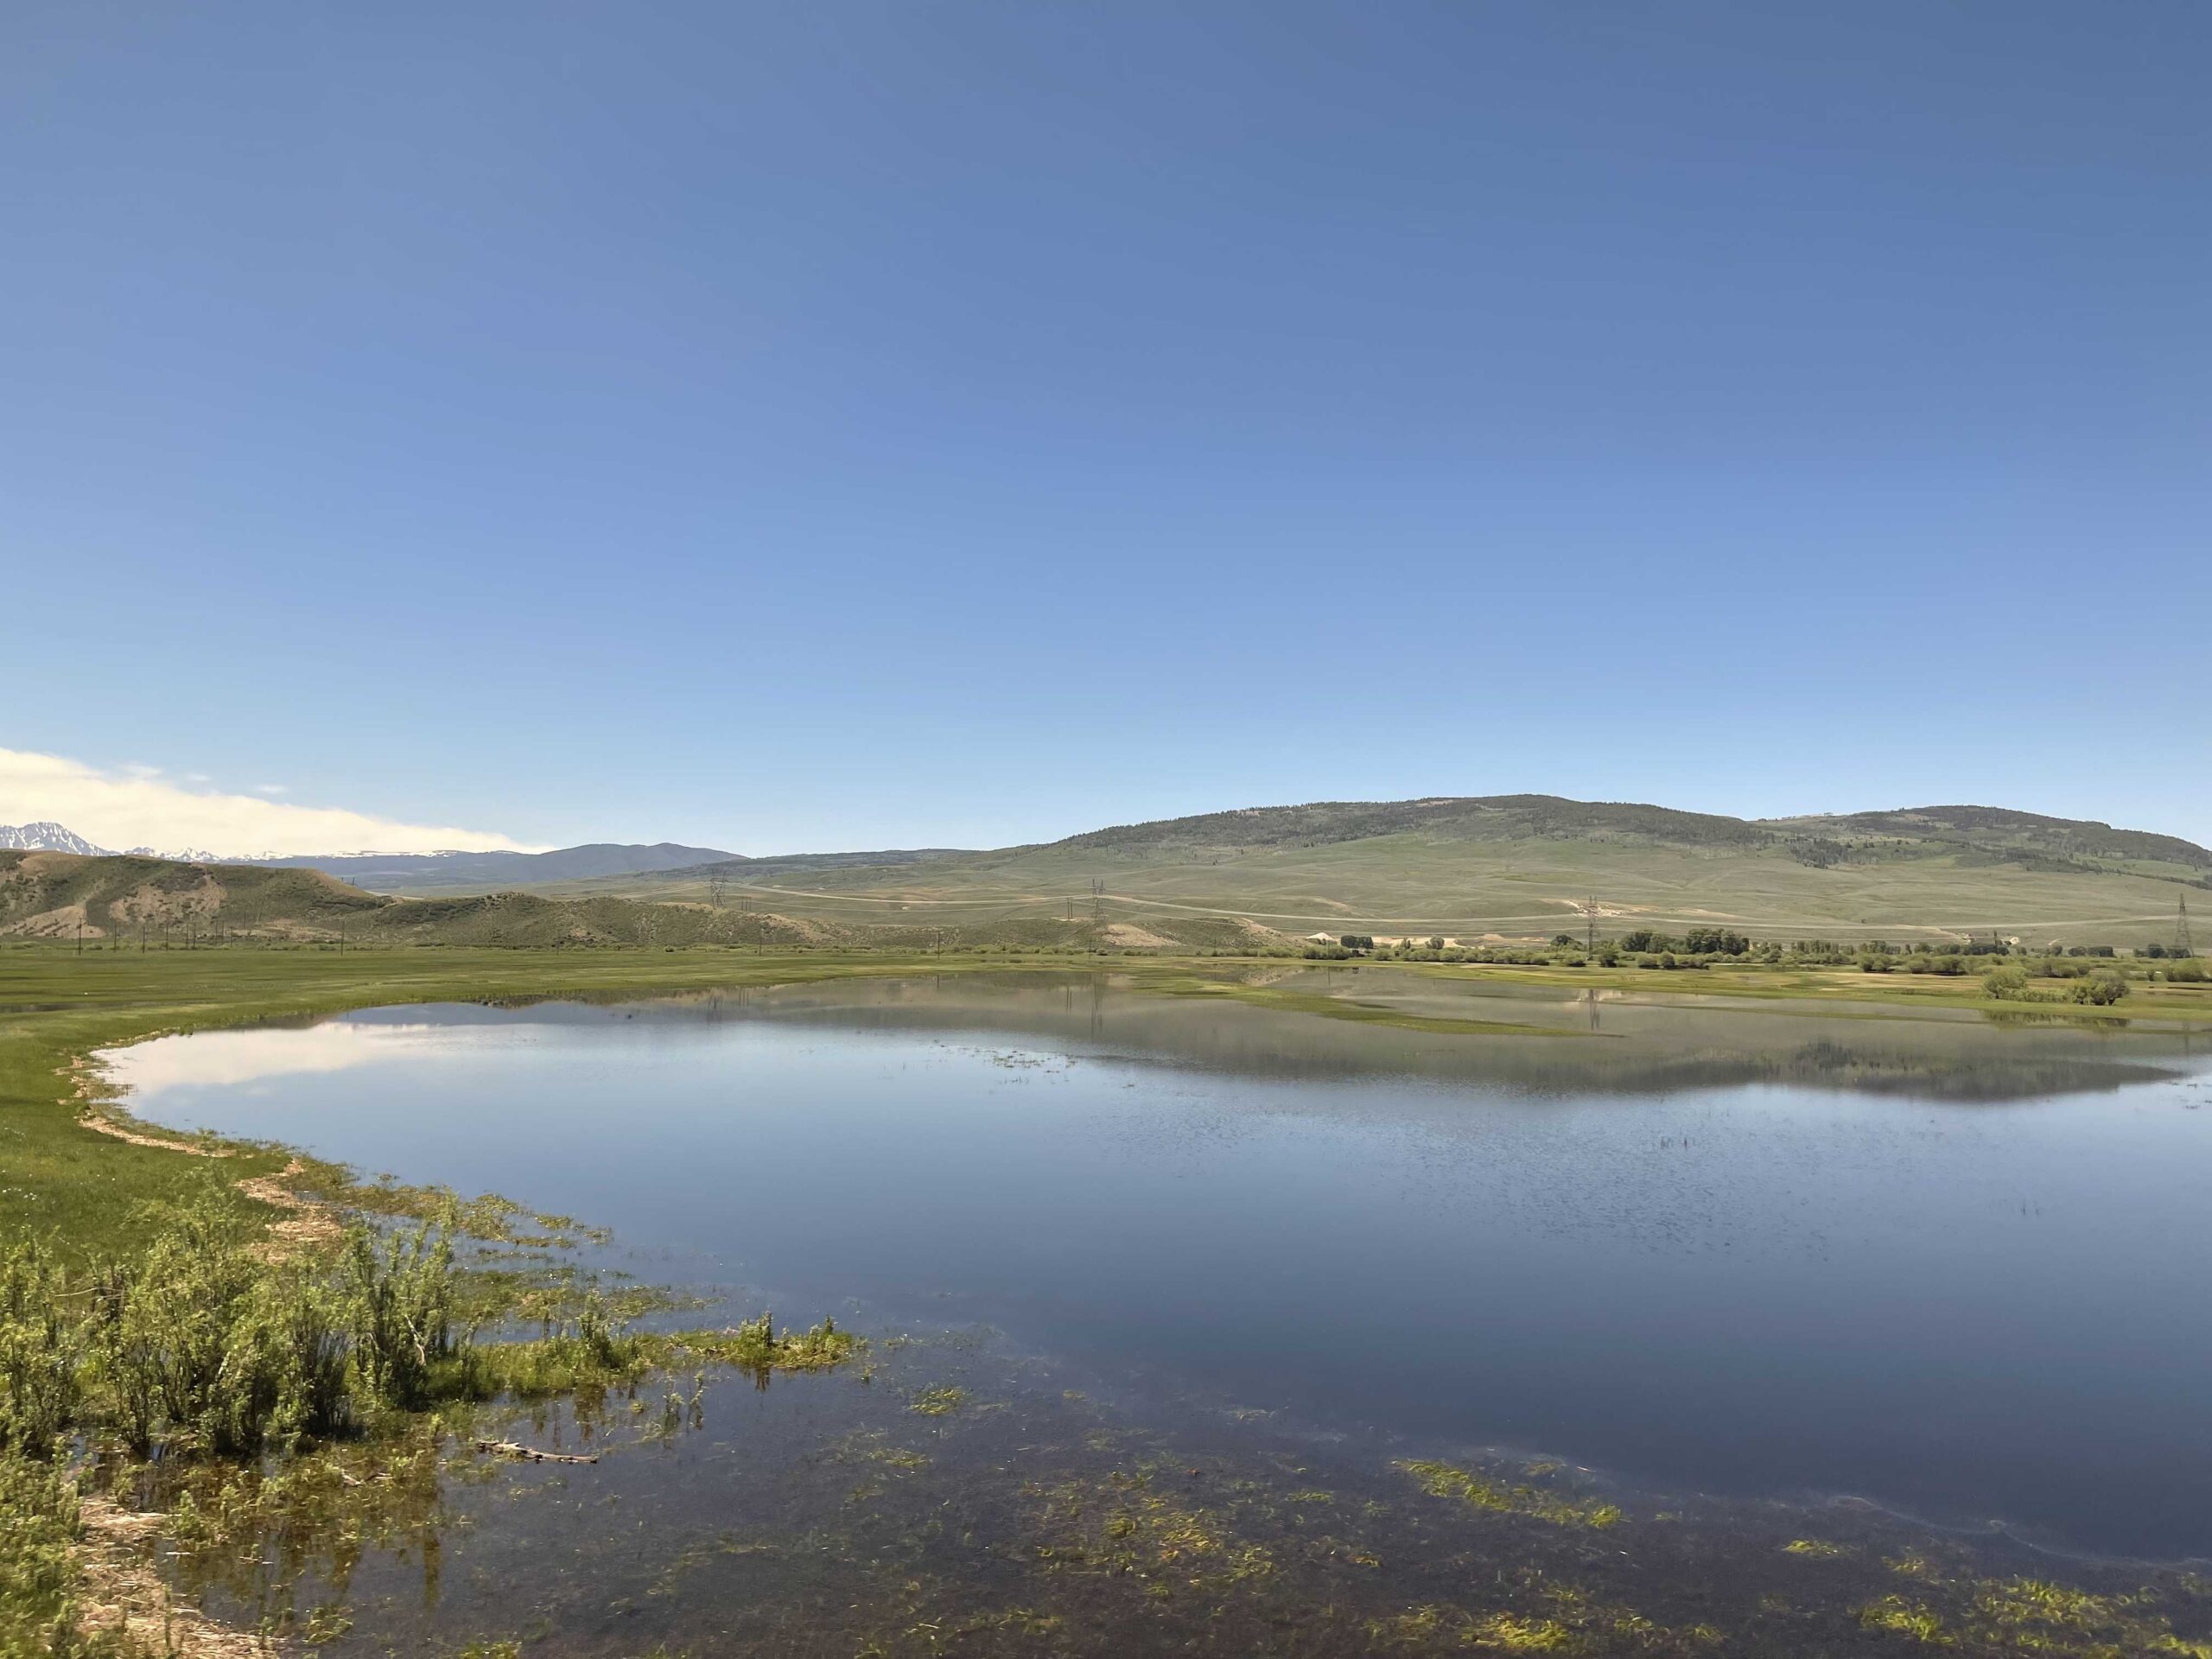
(2181, 928)
(1590, 914)
(1097, 899)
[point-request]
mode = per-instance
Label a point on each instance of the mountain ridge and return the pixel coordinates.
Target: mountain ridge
(1513, 866)
(1500, 868)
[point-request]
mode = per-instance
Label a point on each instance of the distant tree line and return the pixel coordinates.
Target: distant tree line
(1698, 942)
(1702, 947)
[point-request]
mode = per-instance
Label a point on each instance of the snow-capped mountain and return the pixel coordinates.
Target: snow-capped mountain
(388, 872)
(49, 837)
(44, 837)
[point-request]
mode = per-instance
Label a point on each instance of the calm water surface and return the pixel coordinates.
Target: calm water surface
(1956, 1269)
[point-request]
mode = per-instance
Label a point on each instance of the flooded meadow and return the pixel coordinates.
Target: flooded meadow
(1471, 1319)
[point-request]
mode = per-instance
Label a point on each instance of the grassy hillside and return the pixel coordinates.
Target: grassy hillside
(1498, 868)
(1521, 867)
(122, 901)
(2026, 838)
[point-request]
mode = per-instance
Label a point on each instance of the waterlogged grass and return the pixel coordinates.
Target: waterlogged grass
(759, 1348)
(1448, 1480)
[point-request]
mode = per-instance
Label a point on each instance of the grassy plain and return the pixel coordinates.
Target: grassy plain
(1519, 888)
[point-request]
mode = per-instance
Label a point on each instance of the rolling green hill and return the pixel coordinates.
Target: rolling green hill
(1501, 868)
(114, 900)
(121, 897)
(1516, 867)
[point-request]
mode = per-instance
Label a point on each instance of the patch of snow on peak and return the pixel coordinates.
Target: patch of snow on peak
(46, 837)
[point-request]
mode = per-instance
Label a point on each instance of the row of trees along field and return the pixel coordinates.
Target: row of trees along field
(2098, 969)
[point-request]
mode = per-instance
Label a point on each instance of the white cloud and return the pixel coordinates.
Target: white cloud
(137, 806)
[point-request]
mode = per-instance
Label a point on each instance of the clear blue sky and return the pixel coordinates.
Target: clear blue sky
(804, 426)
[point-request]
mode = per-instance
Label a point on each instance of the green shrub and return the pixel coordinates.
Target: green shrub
(41, 1350)
(2005, 984)
(200, 1344)
(401, 1293)
(2101, 989)
(38, 1524)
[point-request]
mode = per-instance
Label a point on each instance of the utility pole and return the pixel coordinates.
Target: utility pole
(2182, 946)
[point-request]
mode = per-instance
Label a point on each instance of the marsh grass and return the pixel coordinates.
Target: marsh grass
(757, 1348)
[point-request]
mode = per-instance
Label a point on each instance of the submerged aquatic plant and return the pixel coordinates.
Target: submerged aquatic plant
(1819, 1549)
(1448, 1480)
(1903, 1617)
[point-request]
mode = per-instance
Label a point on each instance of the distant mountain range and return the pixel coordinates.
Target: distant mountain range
(463, 871)
(405, 869)
(386, 871)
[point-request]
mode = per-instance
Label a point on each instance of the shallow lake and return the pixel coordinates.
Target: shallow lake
(1954, 1269)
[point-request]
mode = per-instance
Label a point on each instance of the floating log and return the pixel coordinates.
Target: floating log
(530, 1454)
